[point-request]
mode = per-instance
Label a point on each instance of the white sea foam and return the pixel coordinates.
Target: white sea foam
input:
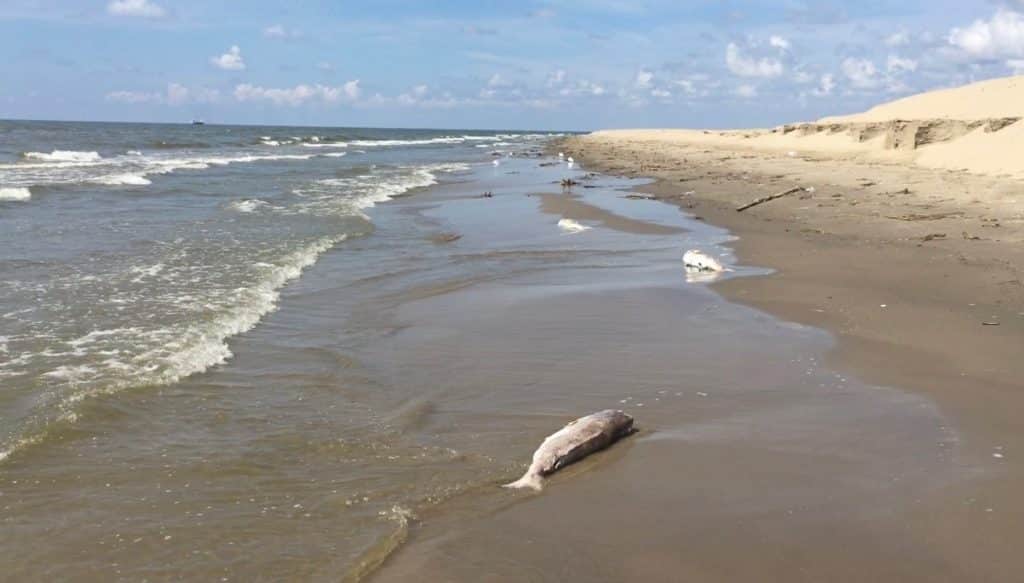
(126, 179)
(204, 345)
(167, 165)
(352, 195)
(325, 144)
(383, 143)
(15, 193)
(334, 154)
(174, 352)
(147, 271)
(63, 156)
(248, 205)
(121, 170)
(71, 374)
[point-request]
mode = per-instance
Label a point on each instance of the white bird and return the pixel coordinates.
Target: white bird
(570, 162)
(561, 155)
(570, 226)
(496, 162)
(697, 261)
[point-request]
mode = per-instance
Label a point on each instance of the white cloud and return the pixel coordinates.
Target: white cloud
(999, 37)
(749, 67)
(661, 93)
(803, 77)
(898, 39)
(133, 97)
(779, 43)
(556, 78)
(277, 31)
(230, 61)
(746, 91)
(897, 64)
(175, 94)
(415, 96)
(861, 73)
(1016, 65)
(583, 87)
(644, 79)
(825, 86)
(688, 86)
(143, 8)
(300, 94)
(497, 80)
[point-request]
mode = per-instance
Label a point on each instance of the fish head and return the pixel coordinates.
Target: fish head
(618, 422)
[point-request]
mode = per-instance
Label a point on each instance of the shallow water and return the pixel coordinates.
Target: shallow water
(248, 371)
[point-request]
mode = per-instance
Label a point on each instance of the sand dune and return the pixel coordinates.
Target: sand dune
(975, 128)
(1003, 97)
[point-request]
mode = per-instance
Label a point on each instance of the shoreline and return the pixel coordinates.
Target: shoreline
(776, 464)
(911, 305)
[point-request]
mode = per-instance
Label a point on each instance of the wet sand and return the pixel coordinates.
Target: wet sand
(918, 274)
(757, 459)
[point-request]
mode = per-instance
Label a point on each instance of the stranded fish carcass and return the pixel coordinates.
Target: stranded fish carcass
(695, 260)
(574, 442)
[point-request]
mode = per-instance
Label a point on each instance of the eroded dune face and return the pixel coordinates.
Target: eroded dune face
(900, 134)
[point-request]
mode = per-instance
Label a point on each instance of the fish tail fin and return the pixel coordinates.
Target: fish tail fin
(529, 480)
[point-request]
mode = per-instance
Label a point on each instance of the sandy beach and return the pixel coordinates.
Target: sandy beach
(916, 270)
(916, 273)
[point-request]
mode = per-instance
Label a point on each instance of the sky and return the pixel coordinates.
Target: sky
(489, 64)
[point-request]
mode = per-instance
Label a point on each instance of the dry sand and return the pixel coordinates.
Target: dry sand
(909, 252)
(973, 128)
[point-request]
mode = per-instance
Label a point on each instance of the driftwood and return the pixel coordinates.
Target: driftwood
(765, 199)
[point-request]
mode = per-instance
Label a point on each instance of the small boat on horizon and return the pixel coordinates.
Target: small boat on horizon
(198, 122)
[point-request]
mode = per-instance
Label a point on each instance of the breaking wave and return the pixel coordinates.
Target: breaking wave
(165, 355)
(354, 194)
(131, 169)
(124, 180)
(249, 205)
(63, 156)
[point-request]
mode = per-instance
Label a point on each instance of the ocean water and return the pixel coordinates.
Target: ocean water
(244, 353)
(133, 253)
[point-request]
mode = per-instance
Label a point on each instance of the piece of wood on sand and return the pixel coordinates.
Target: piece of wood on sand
(765, 199)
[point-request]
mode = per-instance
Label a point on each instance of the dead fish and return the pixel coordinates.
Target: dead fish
(571, 226)
(696, 260)
(574, 442)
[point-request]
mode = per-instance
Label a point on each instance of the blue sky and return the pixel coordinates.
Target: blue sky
(540, 64)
